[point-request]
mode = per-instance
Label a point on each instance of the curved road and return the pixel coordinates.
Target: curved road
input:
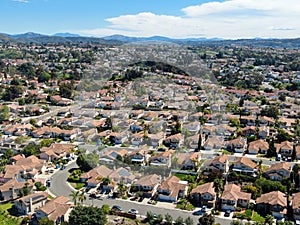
(59, 186)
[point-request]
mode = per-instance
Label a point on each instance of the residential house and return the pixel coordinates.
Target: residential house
(11, 189)
(161, 159)
(245, 166)
(57, 210)
(172, 189)
(217, 165)
(204, 195)
(238, 145)
(56, 151)
(285, 148)
(122, 175)
(193, 141)
(274, 202)
(296, 206)
(111, 155)
(188, 160)
(27, 168)
(137, 138)
(29, 203)
(266, 121)
(278, 171)
(93, 177)
(259, 146)
(248, 120)
(192, 127)
(233, 197)
(147, 184)
(263, 132)
(249, 131)
(213, 142)
(174, 141)
(118, 138)
(155, 139)
(138, 156)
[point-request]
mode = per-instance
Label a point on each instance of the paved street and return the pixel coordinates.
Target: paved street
(59, 186)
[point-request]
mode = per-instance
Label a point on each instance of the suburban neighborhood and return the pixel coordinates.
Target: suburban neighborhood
(218, 143)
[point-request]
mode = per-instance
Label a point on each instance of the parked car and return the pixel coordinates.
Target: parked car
(203, 209)
(116, 208)
(227, 213)
(198, 213)
(133, 211)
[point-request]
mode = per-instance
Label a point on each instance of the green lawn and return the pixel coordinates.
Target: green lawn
(257, 218)
(249, 215)
(77, 186)
(6, 206)
(5, 217)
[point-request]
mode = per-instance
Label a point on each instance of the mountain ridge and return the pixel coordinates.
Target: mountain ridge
(31, 37)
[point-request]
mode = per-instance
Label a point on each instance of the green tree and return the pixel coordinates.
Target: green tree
(189, 221)
(179, 221)
(66, 89)
(87, 215)
(81, 197)
(271, 152)
(105, 209)
(206, 219)
(159, 219)
(45, 221)
(12, 92)
(271, 111)
(31, 149)
(168, 219)
(236, 222)
(75, 196)
(87, 162)
(269, 220)
(4, 112)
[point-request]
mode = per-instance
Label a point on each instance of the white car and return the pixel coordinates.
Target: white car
(133, 211)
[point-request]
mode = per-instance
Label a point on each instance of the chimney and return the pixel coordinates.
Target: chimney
(30, 205)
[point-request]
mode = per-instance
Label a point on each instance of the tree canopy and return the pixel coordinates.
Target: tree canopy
(86, 215)
(88, 161)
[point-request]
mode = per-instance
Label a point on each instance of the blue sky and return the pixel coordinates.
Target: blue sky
(172, 18)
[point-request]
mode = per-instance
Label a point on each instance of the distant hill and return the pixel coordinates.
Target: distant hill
(66, 35)
(31, 37)
(28, 35)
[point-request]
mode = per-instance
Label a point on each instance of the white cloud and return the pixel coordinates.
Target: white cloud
(22, 1)
(228, 19)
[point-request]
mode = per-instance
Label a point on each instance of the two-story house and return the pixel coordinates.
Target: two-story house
(172, 189)
(284, 148)
(279, 171)
(233, 197)
(274, 202)
(296, 206)
(147, 184)
(29, 203)
(188, 160)
(217, 165)
(204, 195)
(238, 145)
(245, 166)
(57, 210)
(258, 146)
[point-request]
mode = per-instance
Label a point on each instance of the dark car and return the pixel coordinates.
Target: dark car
(116, 208)
(227, 213)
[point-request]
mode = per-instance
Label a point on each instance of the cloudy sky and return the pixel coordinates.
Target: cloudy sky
(172, 18)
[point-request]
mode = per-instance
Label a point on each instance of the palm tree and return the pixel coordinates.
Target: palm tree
(122, 188)
(269, 220)
(81, 197)
(75, 196)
